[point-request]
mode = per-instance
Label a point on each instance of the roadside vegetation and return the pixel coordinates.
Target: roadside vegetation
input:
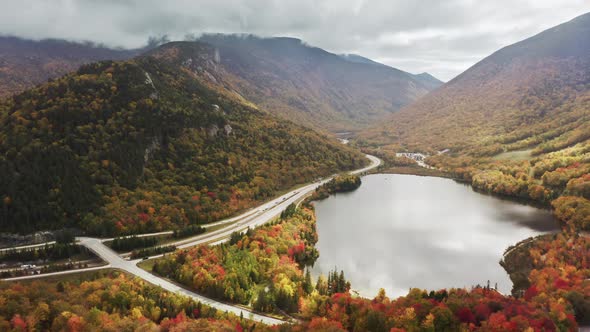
(153, 243)
(152, 251)
(340, 183)
(128, 243)
(62, 255)
(262, 268)
(49, 252)
(107, 301)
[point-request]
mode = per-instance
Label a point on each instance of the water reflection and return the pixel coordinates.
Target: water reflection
(401, 231)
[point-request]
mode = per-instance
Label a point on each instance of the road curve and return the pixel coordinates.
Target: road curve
(375, 162)
(96, 246)
(250, 219)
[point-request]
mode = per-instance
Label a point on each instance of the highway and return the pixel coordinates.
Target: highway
(250, 219)
(27, 246)
(115, 261)
(35, 276)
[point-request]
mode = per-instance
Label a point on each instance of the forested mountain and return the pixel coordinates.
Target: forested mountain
(534, 92)
(145, 145)
(283, 75)
(516, 124)
(25, 63)
(307, 84)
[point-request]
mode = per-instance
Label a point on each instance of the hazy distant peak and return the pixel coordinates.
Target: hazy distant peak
(428, 76)
(424, 78)
(428, 80)
(360, 59)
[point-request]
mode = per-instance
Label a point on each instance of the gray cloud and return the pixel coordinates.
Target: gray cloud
(441, 37)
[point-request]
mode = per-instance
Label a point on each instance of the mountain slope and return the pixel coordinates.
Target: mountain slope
(516, 124)
(428, 80)
(25, 63)
(533, 92)
(309, 85)
(355, 58)
(144, 145)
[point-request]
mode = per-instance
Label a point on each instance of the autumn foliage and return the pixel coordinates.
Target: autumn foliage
(108, 301)
(262, 268)
(144, 145)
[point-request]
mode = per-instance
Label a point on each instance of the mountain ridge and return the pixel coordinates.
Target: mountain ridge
(516, 124)
(144, 145)
(285, 75)
(310, 85)
(425, 78)
(522, 87)
(25, 63)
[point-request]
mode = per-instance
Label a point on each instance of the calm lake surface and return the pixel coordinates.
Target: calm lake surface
(401, 231)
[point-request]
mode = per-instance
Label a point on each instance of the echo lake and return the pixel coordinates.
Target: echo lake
(402, 231)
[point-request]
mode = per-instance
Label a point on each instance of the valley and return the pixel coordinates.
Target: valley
(272, 178)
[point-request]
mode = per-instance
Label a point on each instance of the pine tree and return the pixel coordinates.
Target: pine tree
(307, 285)
(341, 282)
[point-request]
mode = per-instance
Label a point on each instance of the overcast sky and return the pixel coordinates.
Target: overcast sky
(442, 37)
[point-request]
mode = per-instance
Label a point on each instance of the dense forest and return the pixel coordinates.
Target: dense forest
(108, 301)
(340, 183)
(262, 268)
(145, 145)
(550, 274)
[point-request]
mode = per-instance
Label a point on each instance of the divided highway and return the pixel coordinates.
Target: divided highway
(252, 218)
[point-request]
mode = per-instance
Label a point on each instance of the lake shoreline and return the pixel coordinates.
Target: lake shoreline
(419, 171)
(495, 259)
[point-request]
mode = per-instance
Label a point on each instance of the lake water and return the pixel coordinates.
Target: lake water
(401, 231)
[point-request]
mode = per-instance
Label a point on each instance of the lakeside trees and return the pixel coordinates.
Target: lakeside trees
(340, 183)
(558, 179)
(574, 211)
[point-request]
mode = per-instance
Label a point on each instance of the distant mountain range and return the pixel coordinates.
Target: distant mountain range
(25, 63)
(532, 94)
(424, 78)
(311, 86)
(284, 76)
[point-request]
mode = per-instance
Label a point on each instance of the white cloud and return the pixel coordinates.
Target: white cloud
(442, 37)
